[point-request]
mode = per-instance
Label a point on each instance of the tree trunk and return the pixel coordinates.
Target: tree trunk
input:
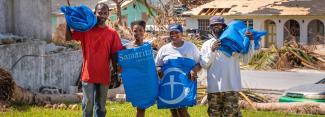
(11, 93)
(297, 108)
(22, 96)
(119, 13)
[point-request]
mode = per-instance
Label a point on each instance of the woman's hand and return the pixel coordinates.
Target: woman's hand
(160, 73)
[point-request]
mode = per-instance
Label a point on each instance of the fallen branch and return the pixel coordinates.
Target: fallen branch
(248, 100)
(302, 59)
(320, 59)
(309, 66)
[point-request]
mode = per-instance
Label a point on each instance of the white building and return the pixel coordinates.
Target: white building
(304, 19)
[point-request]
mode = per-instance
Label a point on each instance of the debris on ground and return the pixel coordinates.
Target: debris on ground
(255, 97)
(245, 95)
(291, 55)
(4, 107)
(63, 106)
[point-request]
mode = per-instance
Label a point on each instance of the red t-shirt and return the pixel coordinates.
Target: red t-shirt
(98, 46)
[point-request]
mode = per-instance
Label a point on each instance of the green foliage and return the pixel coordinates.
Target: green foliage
(292, 56)
(264, 60)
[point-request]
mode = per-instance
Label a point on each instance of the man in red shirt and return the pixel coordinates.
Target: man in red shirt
(99, 46)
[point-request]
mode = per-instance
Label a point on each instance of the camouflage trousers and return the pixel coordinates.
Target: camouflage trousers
(224, 104)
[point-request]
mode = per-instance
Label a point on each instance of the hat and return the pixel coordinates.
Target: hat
(217, 20)
(175, 27)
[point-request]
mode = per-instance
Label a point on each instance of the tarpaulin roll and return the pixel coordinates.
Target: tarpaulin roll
(80, 18)
(233, 39)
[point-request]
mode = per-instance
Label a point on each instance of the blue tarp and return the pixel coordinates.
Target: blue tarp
(79, 18)
(139, 75)
(175, 89)
(233, 39)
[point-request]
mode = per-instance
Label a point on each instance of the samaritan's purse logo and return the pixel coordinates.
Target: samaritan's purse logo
(172, 83)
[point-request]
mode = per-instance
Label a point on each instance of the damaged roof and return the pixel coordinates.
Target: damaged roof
(260, 7)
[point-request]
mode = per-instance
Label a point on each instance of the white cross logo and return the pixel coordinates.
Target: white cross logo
(172, 83)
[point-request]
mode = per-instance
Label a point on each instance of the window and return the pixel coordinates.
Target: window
(270, 38)
(291, 31)
(316, 32)
(249, 21)
(204, 24)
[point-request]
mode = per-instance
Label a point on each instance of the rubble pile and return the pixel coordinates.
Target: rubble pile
(291, 55)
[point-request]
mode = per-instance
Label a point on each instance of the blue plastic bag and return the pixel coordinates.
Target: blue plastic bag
(233, 39)
(175, 89)
(80, 18)
(139, 75)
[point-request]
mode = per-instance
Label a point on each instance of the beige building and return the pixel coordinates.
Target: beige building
(303, 19)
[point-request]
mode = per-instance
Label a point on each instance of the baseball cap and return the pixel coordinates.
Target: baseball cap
(175, 27)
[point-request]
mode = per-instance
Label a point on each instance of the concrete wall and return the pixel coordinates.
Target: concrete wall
(28, 71)
(30, 18)
(60, 70)
(5, 16)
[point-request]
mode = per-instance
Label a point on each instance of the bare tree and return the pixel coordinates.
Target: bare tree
(118, 10)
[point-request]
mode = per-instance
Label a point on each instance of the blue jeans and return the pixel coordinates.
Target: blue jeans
(94, 97)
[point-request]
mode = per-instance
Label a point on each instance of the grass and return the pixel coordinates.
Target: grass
(115, 109)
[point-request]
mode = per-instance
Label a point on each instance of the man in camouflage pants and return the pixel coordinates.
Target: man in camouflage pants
(223, 74)
(223, 104)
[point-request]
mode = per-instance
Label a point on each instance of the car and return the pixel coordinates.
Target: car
(305, 93)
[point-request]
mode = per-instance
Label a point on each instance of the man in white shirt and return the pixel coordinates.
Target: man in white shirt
(223, 73)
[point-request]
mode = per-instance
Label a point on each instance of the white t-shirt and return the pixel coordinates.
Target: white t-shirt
(223, 72)
(168, 51)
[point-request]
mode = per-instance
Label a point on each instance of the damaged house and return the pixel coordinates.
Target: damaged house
(282, 19)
